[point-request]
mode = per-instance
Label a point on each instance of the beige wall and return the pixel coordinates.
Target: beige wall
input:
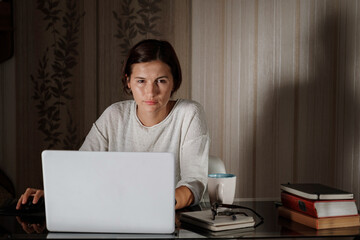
(279, 81)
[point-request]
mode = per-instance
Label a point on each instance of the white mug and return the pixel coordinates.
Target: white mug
(221, 188)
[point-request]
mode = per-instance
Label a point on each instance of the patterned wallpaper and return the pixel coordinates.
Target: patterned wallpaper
(52, 80)
(69, 58)
(54, 77)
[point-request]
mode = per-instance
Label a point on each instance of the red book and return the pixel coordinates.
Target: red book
(319, 208)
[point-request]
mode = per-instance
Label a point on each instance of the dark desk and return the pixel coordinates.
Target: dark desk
(273, 227)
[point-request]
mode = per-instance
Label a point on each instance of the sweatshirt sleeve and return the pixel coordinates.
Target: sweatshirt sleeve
(98, 137)
(194, 153)
(95, 140)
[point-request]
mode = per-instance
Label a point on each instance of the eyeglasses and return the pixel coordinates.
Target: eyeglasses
(229, 212)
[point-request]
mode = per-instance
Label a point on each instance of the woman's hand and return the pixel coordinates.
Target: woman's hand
(184, 197)
(37, 193)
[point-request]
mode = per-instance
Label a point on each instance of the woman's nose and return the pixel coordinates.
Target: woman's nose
(151, 89)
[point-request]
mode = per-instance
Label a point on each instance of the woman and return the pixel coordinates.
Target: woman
(152, 122)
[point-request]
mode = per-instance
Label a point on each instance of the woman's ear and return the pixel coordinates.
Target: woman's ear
(128, 81)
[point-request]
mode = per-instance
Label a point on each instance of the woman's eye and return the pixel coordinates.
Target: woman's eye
(140, 81)
(161, 80)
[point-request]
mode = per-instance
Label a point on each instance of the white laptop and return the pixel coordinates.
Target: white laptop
(109, 192)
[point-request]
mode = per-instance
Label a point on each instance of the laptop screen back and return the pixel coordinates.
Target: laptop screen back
(114, 192)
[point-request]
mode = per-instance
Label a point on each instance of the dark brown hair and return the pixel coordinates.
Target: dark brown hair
(150, 50)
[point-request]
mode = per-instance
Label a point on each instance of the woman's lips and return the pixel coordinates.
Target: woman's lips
(150, 102)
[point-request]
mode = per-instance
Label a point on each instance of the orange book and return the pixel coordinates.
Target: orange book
(319, 223)
(319, 208)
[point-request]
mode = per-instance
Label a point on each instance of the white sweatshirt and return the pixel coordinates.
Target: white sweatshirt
(183, 132)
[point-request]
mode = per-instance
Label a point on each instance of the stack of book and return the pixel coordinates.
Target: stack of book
(318, 206)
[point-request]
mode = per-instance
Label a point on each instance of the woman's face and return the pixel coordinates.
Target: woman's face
(151, 84)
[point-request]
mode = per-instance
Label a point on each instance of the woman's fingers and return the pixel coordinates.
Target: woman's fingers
(38, 194)
(18, 205)
(29, 192)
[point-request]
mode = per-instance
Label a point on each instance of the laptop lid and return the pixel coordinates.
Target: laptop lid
(113, 192)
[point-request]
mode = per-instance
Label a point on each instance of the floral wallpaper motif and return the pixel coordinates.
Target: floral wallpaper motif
(136, 19)
(53, 81)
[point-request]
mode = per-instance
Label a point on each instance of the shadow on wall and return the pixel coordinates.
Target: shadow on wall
(7, 189)
(308, 125)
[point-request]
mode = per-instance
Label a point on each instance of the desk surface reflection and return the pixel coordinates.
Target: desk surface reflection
(33, 226)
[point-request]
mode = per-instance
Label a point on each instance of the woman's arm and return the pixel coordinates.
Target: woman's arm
(194, 154)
